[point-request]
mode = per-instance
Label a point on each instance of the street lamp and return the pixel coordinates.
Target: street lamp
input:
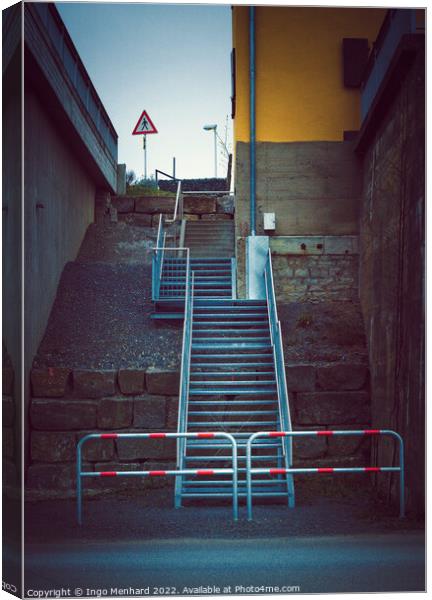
(213, 128)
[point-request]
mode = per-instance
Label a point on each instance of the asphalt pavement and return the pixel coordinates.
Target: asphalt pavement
(144, 547)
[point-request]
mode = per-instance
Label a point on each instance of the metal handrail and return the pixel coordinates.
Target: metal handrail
(311, 470)
(157, 259)
(279, 362)
(276, 340)
(184, 374)
(178, 207)
(166, 175)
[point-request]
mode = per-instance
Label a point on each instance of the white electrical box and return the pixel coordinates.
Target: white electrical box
(269, 221)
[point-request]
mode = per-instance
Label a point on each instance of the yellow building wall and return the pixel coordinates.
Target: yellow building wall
(300, 94)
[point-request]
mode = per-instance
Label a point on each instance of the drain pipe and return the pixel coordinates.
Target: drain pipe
(252, 119)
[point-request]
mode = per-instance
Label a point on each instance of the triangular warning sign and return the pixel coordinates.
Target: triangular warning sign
(144, 126)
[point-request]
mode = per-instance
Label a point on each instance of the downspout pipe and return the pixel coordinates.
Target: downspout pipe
(252, 158)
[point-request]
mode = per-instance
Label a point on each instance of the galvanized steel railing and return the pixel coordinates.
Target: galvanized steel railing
(178, 206)
(177, 473)
(184, 375)
(279, 362)
(157, 259)
(290, 471)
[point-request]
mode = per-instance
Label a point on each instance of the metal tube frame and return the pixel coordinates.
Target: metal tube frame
(176, 473)
(354, 432)
(157, 267)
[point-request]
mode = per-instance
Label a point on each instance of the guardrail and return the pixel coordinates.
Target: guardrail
(184, 378)
(291, 434)
(80, 474)
(279, 361)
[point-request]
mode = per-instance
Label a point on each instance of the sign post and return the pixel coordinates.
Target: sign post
(143, 127)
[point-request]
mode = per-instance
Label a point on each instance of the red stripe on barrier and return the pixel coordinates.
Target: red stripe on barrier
(372, 431)
(277, 471)
(108, 473)
(325, 470)
(372, 469)
(157, 473)
(205, 435)
(109, 436)
(205, 472)
(325, 432)
(276, 434)
(157, 435)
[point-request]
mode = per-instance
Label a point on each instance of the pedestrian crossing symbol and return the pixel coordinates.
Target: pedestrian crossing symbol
(144, 126)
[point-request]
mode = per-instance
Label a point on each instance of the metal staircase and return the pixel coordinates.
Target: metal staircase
(232, 374)
(233, 388)
(215, 276)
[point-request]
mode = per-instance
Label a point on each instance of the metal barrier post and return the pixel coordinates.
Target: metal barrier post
(78, 484)
(286, 471)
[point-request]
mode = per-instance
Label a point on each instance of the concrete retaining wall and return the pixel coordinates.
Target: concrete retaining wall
(392, 276)
(313, 187)
(11, 432)
(58, 209)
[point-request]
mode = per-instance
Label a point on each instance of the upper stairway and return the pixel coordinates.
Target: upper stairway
(210, 239)
(211, 256)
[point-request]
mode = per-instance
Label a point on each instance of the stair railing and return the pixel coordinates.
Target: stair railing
(178, 206)
(157, 259)
(279, 362)
(184, 374)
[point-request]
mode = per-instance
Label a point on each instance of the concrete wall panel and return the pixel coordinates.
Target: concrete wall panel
(313, 187)
(59, 205)
(392, 278)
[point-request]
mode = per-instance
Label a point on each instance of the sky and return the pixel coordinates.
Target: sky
(172, 61)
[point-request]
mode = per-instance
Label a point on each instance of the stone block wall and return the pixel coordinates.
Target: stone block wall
(145, 210)
(329, 396)
(310, 268)
(315, 278)
(67, 404)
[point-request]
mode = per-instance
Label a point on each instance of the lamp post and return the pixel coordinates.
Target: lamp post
(213, 128)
